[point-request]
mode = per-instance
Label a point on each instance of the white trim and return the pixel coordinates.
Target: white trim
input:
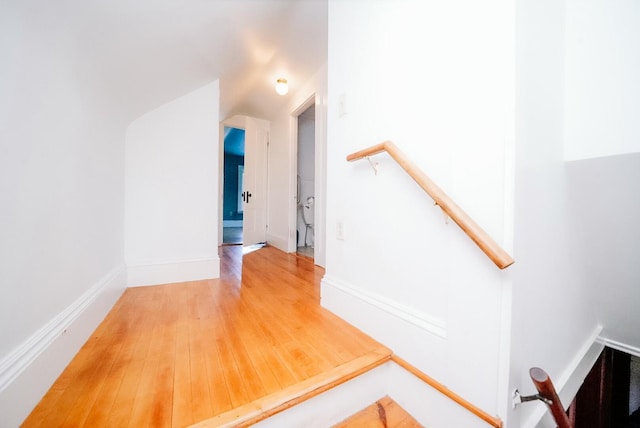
(278, 241)
(231, 223)
(568, 383)
(580, 366)
(314, 92)
(504, 347)
(308, 101)
(17, 361)
(172, 271)
(419, 319)
(426, 404)
(335, 404)
(619, 346)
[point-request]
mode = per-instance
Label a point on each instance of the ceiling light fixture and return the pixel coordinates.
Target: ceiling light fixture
(281, 86)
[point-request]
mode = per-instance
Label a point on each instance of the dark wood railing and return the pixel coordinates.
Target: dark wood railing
(482, 239)
(547, 393)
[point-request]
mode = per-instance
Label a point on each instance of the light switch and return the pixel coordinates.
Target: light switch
(340, 231)
(342, 108)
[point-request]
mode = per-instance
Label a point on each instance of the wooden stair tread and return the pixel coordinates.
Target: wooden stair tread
(279, 401)
(384, 413)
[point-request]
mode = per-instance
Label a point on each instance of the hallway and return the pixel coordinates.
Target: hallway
(173, 355)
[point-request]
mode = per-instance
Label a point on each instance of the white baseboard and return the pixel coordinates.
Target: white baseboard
(281, 243)
(569, 382)
(427, 405)
(335, 404)
(387, 306)
(30, 369)
(173, 271)
(631, 350)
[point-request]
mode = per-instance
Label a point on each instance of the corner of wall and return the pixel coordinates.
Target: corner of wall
(279, 242)
(173, 271)
(419, 337)
(171, 191)
(569, 381)
(30, 369)
(620, 346)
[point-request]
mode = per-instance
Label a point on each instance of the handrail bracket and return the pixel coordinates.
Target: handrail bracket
(519, 398)
(373, 164)
(545, 388)
(444, 213)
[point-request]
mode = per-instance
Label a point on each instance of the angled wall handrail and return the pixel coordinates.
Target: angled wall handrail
(491, 420)
(548, 394)
(497, 254)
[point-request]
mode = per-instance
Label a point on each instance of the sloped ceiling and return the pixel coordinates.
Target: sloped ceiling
(144, 53)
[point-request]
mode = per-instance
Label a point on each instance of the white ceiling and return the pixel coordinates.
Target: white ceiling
(144, 53)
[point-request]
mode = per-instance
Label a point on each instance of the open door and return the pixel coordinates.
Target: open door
(233, 172)
(254, 187)
(254, 190)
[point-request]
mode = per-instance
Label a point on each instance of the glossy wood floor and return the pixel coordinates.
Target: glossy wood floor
(174, 355)
(384, 413)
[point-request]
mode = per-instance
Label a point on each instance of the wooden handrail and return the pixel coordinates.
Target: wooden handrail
(547, 391)
(491, 420)
(497, 254)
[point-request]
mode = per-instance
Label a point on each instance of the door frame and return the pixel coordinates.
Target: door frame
(239, 122)
(319, 213)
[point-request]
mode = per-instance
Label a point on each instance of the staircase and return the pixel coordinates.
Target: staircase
(343, 397)
(384, 413)
(278, 402)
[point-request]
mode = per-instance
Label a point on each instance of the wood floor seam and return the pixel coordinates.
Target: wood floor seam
(174, 354)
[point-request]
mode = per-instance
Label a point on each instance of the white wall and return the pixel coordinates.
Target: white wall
(171, 203)
(605, 207)
(428, 406)
(602, 139)
(554, 325)
(602, 88)
(61, 199)
(281, 164)
(437, 79)
(282, 172)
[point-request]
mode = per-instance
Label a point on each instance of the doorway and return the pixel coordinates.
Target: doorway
(610, 394)
(233, 178)
(305, 183)
(247, 200)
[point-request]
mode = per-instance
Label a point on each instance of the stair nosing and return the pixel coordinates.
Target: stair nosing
(274, 403)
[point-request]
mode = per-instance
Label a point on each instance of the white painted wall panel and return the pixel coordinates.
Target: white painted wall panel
(602, 88)
(604, 211)
(553, 317)
(437, 79)
(61, 198)
(171, 205)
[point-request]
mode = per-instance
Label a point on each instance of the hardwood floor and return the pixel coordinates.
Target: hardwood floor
(173, 355)
(384, 413)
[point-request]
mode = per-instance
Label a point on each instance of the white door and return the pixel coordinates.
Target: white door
(254, 190)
